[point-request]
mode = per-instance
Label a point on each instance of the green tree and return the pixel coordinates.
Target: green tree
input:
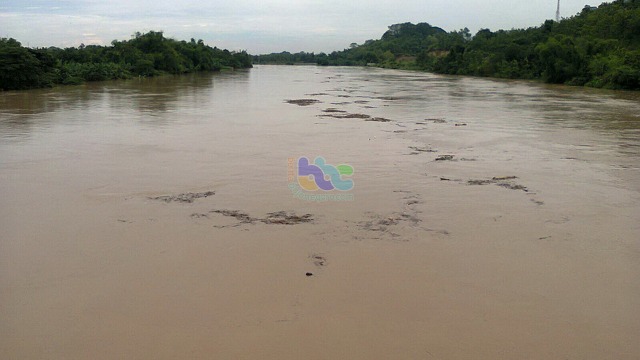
(560, 59)
(20, 67)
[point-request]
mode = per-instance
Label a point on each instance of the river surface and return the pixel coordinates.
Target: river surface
(163, 218)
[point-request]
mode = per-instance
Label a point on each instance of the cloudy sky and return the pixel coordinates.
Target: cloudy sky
(260, 26)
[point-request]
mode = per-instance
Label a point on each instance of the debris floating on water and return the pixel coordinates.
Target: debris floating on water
(274, 218)
(302, 102)
(183, 198)
(502, 181)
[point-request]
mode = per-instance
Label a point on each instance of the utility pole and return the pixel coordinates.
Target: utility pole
(558, 12)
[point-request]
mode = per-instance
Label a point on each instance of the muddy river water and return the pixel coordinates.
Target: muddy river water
(165, 219)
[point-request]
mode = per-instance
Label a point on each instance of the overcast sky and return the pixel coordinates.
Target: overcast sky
(260, 26)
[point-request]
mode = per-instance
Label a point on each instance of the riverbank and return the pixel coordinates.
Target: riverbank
(145, 55)
(594, 48)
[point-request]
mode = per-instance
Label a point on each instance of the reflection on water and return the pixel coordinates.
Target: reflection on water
(246, 103)
(25, 111)
(22, 112)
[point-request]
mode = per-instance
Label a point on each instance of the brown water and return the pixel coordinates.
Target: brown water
(432, 259)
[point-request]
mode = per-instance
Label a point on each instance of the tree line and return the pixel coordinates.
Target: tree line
(598, 47)
(146, 54)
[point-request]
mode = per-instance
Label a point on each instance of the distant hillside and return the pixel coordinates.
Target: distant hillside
(144, 55)
(399, 40)
(599, 47)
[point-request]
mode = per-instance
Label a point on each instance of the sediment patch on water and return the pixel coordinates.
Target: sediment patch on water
(444, 158)
(333, 110)
(184, 197)
(303, 102)
(347, 116)
(420, 149)
(272, 218)
(502, 181)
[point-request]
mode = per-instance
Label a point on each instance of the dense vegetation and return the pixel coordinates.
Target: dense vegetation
(598, 47)
(144, 55)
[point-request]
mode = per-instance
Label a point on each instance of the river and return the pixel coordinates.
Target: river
(164, 218)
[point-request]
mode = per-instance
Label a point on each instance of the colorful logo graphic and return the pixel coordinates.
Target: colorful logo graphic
(322, 176)
(305, 176)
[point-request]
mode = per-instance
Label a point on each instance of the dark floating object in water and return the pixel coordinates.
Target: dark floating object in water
(348, 116)
(480, 182)
(502, 181)
(309, 274)
(444, 157)
(333, 110)
(318, 260)
(284, 218)
(242, 217)
(274, 218)
(183, 198)
(513, 186)
(417, 149)
(303, 102)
